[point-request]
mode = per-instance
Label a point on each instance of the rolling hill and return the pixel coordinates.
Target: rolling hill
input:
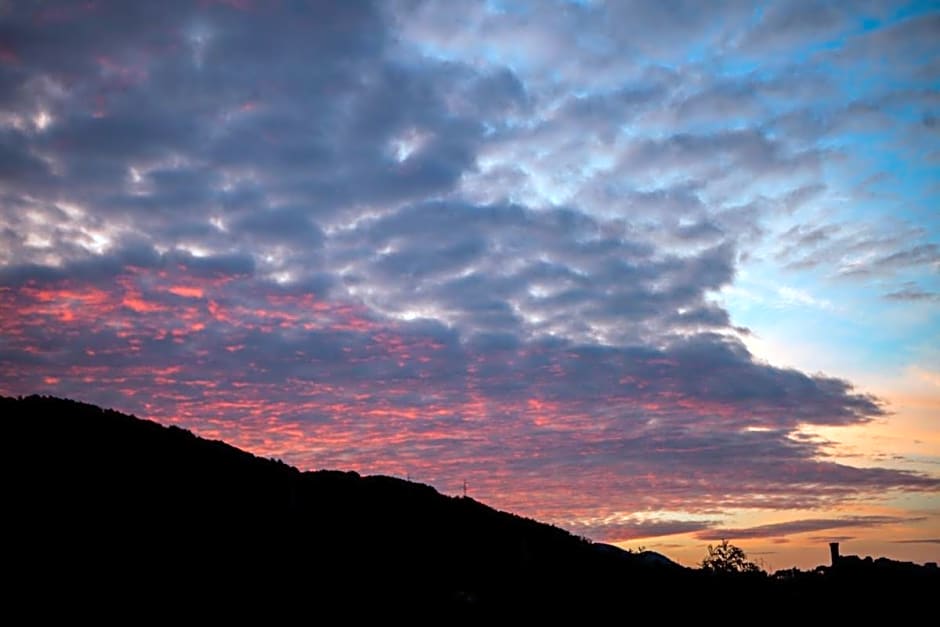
(140, 502)
(105, 510)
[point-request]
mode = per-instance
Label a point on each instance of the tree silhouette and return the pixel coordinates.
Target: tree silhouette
(727, 558)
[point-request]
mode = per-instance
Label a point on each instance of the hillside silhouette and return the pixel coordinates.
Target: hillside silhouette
(102, 505)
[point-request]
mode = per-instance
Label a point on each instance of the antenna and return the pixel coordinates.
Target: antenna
(465, 488)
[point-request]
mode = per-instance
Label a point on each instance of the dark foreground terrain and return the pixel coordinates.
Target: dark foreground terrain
(106, 511)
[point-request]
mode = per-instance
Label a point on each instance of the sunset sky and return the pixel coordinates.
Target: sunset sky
(656, 272)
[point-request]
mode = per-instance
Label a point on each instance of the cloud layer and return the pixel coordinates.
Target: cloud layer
(365, 237)
(779, 530)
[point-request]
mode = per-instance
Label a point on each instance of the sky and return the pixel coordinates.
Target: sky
(658, 273)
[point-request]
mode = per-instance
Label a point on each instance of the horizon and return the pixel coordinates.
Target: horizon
(655, 275)
(757, 560)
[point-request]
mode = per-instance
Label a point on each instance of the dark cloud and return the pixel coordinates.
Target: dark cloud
(282, 224)
(921, 254)
(911, 292)
(508, 268)
(834, 538)
(353, 127)
(743, 151)
(802, 526)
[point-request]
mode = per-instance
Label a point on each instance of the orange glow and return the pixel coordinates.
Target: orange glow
(135, 303)
(186, 291)
(370, 395)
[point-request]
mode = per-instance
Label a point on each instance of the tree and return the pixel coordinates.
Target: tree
(727, 558)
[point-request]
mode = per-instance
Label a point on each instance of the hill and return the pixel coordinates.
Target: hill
(142, 502)
(103, 506)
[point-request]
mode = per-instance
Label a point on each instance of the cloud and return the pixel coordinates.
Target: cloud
(858, 253)
(902, 41)
(802, 526)
(300, 372)
(374, 236)
(785, 25)
(636, 529)
(910, 292)
(534, 272)
(826, 538)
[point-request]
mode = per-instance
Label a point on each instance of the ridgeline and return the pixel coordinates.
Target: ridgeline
(104, 506)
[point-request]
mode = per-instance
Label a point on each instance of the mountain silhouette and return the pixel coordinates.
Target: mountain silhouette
(101, 505)
(133, 497)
